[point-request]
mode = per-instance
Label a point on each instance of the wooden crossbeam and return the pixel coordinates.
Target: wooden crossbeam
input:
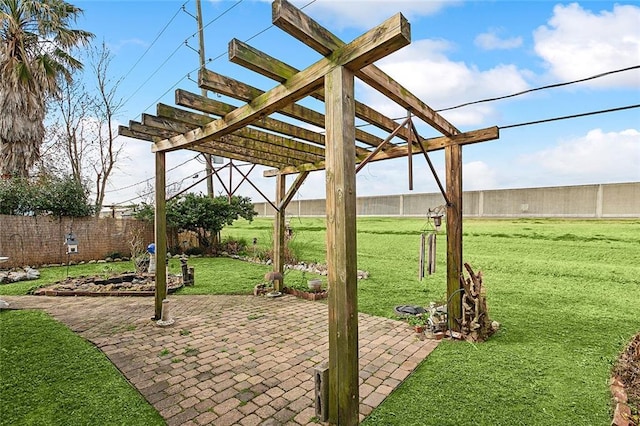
(257, 145)
(389, 36)
(247, 138)
(238, 90)
(292, 20)
(242, 54)
(431, 144)
(295, 186)
(125, 131)
(194, 120)
(229, 147)
(215, 107)
(241, 154)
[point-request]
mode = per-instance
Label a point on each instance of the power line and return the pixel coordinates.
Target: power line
(209, 60)
(264, 30)
(145, 194)
(566, 117)
(156, 39)
(154, 73)
(219, 16)
(550, 86)
(151, 178)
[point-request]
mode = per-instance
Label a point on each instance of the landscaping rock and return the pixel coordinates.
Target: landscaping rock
(16, 274)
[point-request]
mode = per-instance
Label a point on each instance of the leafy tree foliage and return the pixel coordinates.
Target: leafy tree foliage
(47, 195)
(35, 53)
(203, 215)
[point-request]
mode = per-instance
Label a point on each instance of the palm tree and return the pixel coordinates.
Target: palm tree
(34, 54)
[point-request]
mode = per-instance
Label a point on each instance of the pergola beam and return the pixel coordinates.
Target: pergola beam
(295, 186)
(215, 107)
(389, 36)
(431, 144)
(230, 150)
(242, 54)
(246, 138)
(296, 23)
(197, 120)
(238, 90)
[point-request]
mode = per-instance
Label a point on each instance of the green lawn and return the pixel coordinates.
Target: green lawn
(567, 293)
(50, 376)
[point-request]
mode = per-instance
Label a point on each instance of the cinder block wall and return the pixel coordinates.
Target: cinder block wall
(40, 240)
(615, 200)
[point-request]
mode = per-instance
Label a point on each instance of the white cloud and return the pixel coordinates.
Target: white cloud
(364, 14)
(491, 40)
(578, 43)
(594, 157)
(477, 175)
(121, 44)
(425, 70)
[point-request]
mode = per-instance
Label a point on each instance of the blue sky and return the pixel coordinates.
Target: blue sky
(460, 52)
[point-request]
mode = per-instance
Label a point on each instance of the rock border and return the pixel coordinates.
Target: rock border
(307, 295)
(622, 411)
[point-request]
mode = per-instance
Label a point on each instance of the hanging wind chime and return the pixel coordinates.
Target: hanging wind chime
(428, 242)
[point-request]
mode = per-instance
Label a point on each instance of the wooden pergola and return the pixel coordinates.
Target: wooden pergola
(248, 133)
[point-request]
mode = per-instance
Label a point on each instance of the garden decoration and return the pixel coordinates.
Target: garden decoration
(428, 241)
(475, 325)
(71, 243)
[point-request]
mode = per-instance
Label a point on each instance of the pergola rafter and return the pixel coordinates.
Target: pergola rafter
(249, 133)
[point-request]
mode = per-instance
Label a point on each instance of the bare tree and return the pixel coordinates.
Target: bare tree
(68, 140)
(83, 132)
(106, 106)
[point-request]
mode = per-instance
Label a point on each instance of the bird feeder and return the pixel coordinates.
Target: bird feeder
(71, 242)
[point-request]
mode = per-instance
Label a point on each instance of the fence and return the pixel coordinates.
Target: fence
(36, 240)
(616, 200)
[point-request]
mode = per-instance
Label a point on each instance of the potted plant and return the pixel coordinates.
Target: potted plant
(418, 322)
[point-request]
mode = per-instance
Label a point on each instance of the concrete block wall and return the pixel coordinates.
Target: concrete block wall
(615, 200)
(40, 240)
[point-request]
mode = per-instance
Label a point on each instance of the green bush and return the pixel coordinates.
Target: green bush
(46, 195)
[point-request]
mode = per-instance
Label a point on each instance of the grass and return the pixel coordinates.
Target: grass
(566, 292)
(50, 376)
(567, 295)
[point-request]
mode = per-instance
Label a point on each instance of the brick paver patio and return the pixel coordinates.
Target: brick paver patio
(233, 360)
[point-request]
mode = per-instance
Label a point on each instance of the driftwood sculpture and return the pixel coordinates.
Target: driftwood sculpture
(475, 325)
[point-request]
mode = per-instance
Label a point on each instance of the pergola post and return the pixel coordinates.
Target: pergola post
(278, 231)
(160, 234)
(341, 247)
(453, 168)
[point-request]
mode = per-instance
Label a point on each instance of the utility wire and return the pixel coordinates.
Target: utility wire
(550, 86)
(219, 16)
(264, 30)
(566, 117)
(209, 60)
(153, 177)
(154, 73)
(153, 190)
(155, 40)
